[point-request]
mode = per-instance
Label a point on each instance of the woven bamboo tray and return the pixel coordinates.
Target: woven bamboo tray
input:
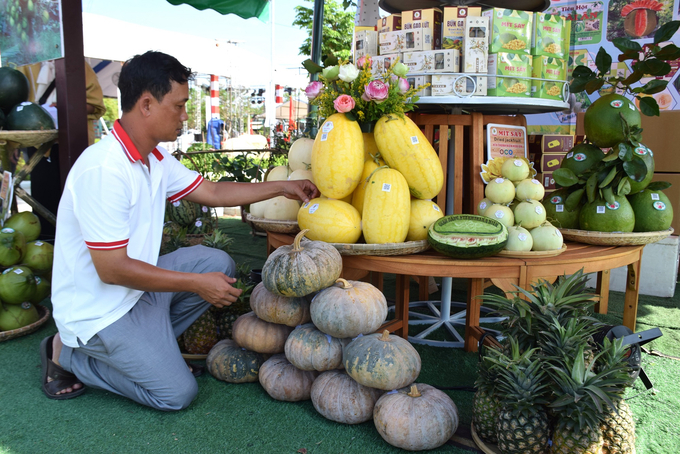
(28, 329)
(615, 239)
(387, 249)
(272, 225)
(29, 138)
(484, 447)
(532, 254)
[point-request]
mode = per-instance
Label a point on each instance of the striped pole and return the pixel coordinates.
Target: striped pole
(279, 94)
(214, 96)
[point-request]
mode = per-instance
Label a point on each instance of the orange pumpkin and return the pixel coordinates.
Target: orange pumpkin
(273, 308)
(259, 336)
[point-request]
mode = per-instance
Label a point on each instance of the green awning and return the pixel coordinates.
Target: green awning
(243, 8)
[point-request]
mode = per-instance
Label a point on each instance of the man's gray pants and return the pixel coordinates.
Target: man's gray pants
(137, 356)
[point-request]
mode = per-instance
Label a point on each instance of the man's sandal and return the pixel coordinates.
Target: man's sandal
(196, 370)
(61, 379)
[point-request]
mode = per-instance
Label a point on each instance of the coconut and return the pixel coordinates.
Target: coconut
(15, 316)
(25, 222)
(42, 289)
(529, 189)
(519, 239)
(500, 190)
(530, 214)
(38, 257)
(17, 284)
(501, 213)
(12, 246)
(515, 169)
(547, 237)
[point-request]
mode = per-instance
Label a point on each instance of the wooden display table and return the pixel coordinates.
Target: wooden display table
(502, 271)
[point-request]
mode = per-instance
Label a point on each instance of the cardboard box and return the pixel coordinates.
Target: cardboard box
(557, 143)
(389, 23)
(430, 21)
(365, 43)
(447, 85)
(548, 35)
(475, 54)
(453, 25)
(514, 69)
(551, 161)
(660, 134)
(673, 194)
(554, 71)
(431, 61)
(510, 30)
(400, 41)
(547, 179)
(419, 81)
(381, 63)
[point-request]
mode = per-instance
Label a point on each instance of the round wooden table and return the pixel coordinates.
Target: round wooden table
(503, 272)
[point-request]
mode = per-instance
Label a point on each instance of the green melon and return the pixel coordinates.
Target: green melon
(653, 211)
(556, 211)
(601, 216)
(15, 316)
(13, 88)
(467, 236)
(602, 121)
(17, 284)
(582, 158)
(28, 116)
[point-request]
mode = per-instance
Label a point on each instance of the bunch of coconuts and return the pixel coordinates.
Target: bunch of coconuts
(515, 200)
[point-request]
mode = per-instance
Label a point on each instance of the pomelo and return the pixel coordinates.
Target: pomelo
(529, 214)
(38, 257)
(500, 190)
(547, 237)
(647, 157)
(582, 158)
(556, 211)
(25, 222)
(529, 189)
(17, 284)
(653, 211)
(12, 246)
(15, 316)
(483, 205)
(515, 169)
(501, 213)
(601, 216)
(519, 239)
(602, 121)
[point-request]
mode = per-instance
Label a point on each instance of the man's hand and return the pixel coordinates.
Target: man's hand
(217, 289)
(303, 190)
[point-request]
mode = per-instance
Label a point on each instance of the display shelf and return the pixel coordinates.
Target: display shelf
(490, 104)
(397, 6)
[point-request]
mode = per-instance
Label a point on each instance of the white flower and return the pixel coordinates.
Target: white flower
(348, 73)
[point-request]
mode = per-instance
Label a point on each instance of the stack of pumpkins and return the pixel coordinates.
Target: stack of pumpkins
(331, 356)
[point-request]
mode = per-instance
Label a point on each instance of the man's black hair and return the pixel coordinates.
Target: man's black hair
(153, 72)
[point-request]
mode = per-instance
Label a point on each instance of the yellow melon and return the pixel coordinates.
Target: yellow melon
(423, 214)
(387, 208)
(329, 220)
(358, 194)
(300, 154)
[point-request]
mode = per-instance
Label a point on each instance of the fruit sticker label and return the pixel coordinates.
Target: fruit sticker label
(555, 200)
(176, 204)
(327, 127)
(7, 230)
(659, 206)
(25, 305)
(386, 187)
(559, 209)
(324, 136)
(616, 104)
(414, 140)
(641, 151)
(570, 154)
(499, 214)
(499, 180)
(198, 223)
(580, 157)
(305, 205)
(18, 271)
(539, 210)
(613, 206)
(436, 208)
(535, 181)
(313, 208)
(522, 237)
(600, 209)
(7, 270)
(204, 209)
(517, 163)
(483, 205)
(655, 196)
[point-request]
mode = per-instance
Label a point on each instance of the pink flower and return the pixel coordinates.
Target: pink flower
(363, 61)
(344, 103)
(403, 85)
(314, 89)
(376, 91)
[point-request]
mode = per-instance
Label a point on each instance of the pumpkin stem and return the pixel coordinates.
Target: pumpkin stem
(385, 336)
(414, 391)
(298, 238)
(345, 283)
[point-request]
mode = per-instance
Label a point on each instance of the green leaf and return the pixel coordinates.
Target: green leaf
(658, 185)
(578, 84)
(625, 44)
(608, 195)
(666, 31)
(628, 55)
(624, 186)
(669, 52)
(657, 67)
(635, 76)
(582, 71)
(594, 85)
(565, 177)
(603, 61)
(350, 116)
(609, 178)
(574, 199)
(654, 86)
(311, 66)
(625, 151)
(649, 106)
(591, 187)
(330, 60)
(636, 169)
(611, 156)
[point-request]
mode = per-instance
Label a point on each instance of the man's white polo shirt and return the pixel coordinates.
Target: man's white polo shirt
(111, 200)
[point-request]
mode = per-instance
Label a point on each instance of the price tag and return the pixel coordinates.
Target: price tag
(327, 127)
(386, 187)
(600, 210)
(414, 140)
(324, 137)
(313, 208)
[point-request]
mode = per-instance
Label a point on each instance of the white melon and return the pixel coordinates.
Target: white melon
(282, 209)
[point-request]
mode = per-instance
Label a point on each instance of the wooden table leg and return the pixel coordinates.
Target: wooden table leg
(474, 306)
(602, 289)
(630, 301)
(401, 302)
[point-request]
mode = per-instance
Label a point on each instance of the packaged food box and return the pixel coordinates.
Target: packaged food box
(551, 161)
(400, 41)
(430, 21)
(389, 23)
(420, 81)
(555, 71)
(365, 43)
(510, 30)
(458, 85)
(382, 63)
(453, 25)
(557, 143)
(476, 45)
(442, 60)
(548, 36)
(514, 71)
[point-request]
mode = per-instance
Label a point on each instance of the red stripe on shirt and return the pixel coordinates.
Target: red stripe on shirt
(107, 246)
(125, 141)
(188, 190)
(157, 154)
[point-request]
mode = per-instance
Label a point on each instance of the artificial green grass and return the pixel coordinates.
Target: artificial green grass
(228, 418)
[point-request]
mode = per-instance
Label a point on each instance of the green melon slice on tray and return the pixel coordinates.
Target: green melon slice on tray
(467, 236)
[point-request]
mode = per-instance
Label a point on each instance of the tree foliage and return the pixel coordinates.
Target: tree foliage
(338, 26)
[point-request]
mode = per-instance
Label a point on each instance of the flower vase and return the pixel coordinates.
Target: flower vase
(370, 147)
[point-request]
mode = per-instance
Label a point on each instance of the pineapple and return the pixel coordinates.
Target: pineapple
(485, 404)
(522, 425)
(581, 393)
(218, 240)
(201, 336)
(558, 342)
(226, 316)
(618, 429)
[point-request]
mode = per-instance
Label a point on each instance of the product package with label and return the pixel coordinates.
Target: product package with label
(463, 85)
(382, 63)
(430, 21)
(453, 25)
(514, 69)
(476, 44)
(510, 30)
(365, 43)
(400, 41)
(419, 81)
(389, 23)
(548, 36)
(442, 60)
(553, 69)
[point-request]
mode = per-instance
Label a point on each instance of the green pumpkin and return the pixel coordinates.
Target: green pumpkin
(336, 396)
(290, 311)
(307, 348)
(231, 363)
(259, 336)
(382, 361)
(285, 382)
(298, 270)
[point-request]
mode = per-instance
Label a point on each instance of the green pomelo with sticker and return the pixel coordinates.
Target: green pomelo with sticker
(603, 123)
(647, 157)
(556, 211)
(582, 158)
(600, 216)
(653, 211)
(17, 284)
(15, 316)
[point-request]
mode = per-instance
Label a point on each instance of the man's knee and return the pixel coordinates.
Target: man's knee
(218, 259)
(180, 396)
